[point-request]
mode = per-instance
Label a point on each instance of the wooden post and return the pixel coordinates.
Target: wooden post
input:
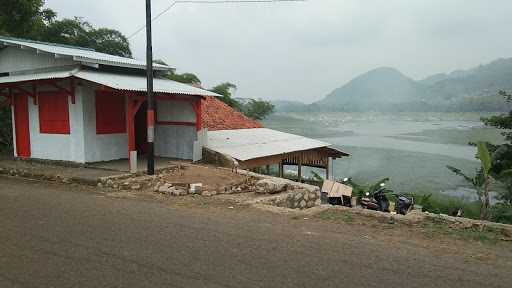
(130, 127)
(150, 108)
(327, 170)
(299, 171)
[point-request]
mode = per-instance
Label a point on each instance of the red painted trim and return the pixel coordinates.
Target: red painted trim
(70, 92)
(53, 115)
(22, 90)
(133, 103)
(176, 123)
(110, 113)
(129, 124)
(50, 82)
(151, 118)
(198, 110)
(21, 126)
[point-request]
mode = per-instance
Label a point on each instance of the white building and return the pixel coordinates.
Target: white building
(75, 104)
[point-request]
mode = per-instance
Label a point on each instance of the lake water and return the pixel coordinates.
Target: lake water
(412, 149)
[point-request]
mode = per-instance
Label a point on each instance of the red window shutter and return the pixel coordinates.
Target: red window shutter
(110, 113)
(53, 113)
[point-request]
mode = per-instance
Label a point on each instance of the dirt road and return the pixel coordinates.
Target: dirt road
(68, 236)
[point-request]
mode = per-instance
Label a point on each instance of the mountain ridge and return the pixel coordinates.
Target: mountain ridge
(388, 89)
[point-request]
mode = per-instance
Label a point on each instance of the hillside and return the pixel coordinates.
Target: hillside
(387, 89)
(289, 106)
(374, 90)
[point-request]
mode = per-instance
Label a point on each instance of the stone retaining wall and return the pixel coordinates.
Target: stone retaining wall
(24, 173)
(158, 184)
(285, 193)
(294, 199)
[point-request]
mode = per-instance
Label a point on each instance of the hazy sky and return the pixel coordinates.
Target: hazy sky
(304, 50)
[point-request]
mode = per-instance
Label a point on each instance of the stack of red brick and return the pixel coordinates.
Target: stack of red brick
(216, 115)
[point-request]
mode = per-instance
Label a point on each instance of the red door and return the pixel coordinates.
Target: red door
(21, 126)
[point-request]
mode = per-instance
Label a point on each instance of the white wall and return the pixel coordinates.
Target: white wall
(82, 145)
(104, 147)
(178, 111)
(16, 59)
(175, 141)
(56, 146)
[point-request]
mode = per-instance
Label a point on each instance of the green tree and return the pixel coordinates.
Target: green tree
(78, 32)
(28, 19)
(503, 121)
(257, 109)
(502, 154)
(226, 90)
(5, 127)
(109, 41)
(23, 18)
(185, 78)
(482, 180)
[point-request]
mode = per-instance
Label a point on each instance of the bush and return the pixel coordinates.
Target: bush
(447, 205)
(502, 213)
(5, 129)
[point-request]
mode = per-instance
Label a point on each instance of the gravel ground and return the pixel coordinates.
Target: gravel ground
(53, 235)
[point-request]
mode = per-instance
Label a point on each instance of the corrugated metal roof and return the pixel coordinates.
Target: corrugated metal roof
(79, 54)
(138, 83)
(246, 144)
(39, 76)
(116, 81)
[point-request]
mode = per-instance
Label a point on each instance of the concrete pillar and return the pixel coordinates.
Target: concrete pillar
(281, 169)
(133, 162)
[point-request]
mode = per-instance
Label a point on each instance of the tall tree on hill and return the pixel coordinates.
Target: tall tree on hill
(257, 109)
(226, 90)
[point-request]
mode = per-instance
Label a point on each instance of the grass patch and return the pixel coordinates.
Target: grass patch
(432, 229)
(487, 235)
(335, 216)
(447, 205)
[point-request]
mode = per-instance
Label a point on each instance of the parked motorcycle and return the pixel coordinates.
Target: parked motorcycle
(378, 201)
(403, 204)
